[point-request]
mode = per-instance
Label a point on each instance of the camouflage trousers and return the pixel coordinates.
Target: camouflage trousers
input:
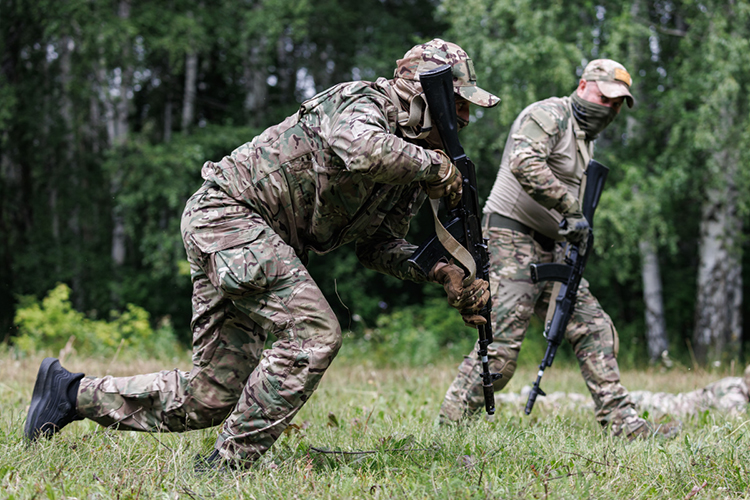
(515, 297)
(729, 394)
(247, 283)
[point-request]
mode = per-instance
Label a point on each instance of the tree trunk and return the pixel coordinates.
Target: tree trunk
(117, 113)
(188, 101)
(168, 119)
(6, 254)
(656, 330)
(718, 325)
(254, 76)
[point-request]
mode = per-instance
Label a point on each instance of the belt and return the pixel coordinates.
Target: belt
(503, 222)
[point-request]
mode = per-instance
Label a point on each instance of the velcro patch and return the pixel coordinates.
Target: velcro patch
(623, 76)
(531, 131)
(544, 120)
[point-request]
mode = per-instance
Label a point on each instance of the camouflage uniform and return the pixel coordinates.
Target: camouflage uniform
(540, 172)
(335, 172)
(729, 394)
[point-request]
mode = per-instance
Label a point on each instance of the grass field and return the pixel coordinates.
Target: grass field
(372, 433)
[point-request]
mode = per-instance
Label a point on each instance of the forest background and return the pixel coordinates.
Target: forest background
(108, 109)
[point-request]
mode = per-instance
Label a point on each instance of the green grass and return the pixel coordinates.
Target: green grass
(372, 433)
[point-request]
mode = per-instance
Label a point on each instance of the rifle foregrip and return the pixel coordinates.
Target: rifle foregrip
(596, 174)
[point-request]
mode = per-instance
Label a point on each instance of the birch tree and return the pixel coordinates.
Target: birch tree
(717, 41)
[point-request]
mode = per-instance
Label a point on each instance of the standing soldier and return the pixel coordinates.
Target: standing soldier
(352, 165)
(538, 184)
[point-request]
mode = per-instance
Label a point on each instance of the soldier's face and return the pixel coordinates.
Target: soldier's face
(463, 111)
(589, 90)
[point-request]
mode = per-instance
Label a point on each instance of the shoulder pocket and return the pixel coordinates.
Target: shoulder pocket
(546, 121)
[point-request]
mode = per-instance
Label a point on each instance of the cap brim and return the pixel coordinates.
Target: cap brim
(477, 96)
(616, 89)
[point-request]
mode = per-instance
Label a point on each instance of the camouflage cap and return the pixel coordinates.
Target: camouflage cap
(436, 53)
(611, 77)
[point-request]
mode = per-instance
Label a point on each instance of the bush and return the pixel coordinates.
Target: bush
(435, 333)
(414, 335)
(52, 324)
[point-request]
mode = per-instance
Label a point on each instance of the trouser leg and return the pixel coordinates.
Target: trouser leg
(226, 347)
(267, 281)
(513, 297)
(594, 339)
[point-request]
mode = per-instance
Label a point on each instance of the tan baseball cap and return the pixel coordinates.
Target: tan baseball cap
(611, 77)
(436, 53)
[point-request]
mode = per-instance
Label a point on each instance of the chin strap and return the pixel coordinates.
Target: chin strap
(408, 122)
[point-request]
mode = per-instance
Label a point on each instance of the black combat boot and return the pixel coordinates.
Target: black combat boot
(53, 403)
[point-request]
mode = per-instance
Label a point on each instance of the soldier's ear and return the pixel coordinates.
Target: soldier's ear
(581, 86)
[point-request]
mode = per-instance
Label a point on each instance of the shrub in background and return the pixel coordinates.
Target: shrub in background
(53, 324)
(434, 333)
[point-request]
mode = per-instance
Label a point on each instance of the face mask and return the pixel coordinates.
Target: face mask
(592, 117)
(461, 123)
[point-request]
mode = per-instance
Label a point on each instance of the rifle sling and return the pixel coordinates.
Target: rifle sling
(453, 247)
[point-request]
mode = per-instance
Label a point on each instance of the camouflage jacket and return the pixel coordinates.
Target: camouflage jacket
(540, 165)
(333, 173)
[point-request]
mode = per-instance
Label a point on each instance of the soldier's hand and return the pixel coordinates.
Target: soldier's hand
(574, 227)
(468, 300)
(448, 182)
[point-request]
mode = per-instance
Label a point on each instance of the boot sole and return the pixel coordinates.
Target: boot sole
(44, 401)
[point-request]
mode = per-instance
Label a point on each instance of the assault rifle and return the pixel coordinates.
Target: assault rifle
(464, 224)
(568, 275)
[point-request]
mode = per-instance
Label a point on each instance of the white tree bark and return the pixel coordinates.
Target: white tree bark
(188, 100)
(254, 76)
(718, 325)
(656, 330)
(116, 110)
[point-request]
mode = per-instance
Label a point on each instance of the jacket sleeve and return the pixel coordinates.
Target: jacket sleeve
(386, 250)
(531, 145)
(360, 135)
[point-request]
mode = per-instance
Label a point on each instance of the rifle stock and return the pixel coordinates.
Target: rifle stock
(464, 222)
(569, 275)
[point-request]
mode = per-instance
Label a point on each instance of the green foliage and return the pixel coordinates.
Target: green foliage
(53, 323)
(413, 335)
(86, 69)
(432, 333)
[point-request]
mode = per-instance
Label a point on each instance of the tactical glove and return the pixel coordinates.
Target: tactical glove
(468, 300)
(448, 182)
(574, 227)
